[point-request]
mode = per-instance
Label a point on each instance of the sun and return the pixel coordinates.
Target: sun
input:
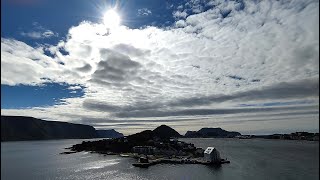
(111, 19)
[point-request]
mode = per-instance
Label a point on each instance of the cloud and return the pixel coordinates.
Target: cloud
(39, 32)
(206, 65)
(195, 112)
(180, 14)
(144, 12)
(300, 89)
(85, 68)
(74, 87)
(180, 23)
(38, 35)
(115, 69)
(22, 64)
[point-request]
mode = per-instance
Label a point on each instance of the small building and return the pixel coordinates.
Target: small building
(199, 152)
(143, 160)
(211, 154)
(144, 149)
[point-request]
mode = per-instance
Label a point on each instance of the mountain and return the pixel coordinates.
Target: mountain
(162, 132)
(192, 134)
(19, 128)
(141, 136)
(211, 132)
(110, 133)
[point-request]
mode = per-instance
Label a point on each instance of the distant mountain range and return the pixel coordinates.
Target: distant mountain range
(20, 128)
(110, 133)
(211, 132)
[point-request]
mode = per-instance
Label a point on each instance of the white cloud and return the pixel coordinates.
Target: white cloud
(38, 35)
(181, 23)
(180, 14)
(216, 59)
(144, 12)
(74, 87)
(39, 32)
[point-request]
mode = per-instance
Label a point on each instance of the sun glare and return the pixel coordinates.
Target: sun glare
(111, 19)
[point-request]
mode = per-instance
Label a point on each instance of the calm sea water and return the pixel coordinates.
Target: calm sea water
(251, 159)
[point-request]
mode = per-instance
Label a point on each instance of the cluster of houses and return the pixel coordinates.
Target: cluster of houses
(178, 148)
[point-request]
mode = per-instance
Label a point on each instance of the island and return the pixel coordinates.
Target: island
(211, 133)
(152, 147)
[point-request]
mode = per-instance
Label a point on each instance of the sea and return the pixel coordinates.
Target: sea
(250, 159)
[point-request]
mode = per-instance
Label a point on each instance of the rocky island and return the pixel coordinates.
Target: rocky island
(211, 133)
(152, 147)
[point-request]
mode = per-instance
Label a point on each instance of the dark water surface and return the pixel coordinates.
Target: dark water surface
(251, 159)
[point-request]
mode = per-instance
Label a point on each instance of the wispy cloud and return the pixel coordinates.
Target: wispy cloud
(144, 12)
(39, 32)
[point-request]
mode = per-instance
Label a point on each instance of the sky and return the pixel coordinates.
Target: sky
(246, 66)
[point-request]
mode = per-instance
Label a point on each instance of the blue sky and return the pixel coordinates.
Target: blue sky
(191, 63)
(23, 96)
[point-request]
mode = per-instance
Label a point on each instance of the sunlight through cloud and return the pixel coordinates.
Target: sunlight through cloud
(111, 19)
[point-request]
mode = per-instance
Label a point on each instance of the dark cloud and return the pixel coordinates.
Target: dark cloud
(196, 66)
(295, 90)
(114, 68)
(130, 50)
(85, 68)
(193, 112)
(90, 120)
(236, 77)
(255, 80)
(284, 90)
(99, 106)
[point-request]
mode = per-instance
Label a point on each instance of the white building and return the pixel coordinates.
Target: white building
(211, 154)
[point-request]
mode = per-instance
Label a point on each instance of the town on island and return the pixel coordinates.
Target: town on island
(153, 147)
